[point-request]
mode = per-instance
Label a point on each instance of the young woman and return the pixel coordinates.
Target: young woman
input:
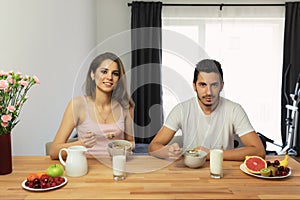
(105, 113)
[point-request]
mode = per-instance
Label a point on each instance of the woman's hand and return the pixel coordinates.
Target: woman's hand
(88, 139)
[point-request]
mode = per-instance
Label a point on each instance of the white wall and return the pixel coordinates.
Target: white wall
(113, 29)
(52, 39)
(113, 17)
(48, 38)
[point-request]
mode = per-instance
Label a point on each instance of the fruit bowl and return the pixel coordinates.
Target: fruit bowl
(194, 158)
(63, 182)
(120, 143)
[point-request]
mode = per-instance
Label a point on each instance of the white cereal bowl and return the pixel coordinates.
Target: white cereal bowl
(194, 159)
(121, 143)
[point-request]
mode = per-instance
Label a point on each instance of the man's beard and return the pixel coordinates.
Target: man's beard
(206, 104)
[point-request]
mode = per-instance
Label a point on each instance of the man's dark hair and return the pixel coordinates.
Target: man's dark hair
(208, 65)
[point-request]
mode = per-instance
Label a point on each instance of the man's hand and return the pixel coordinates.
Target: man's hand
(202, 148)
(88, 139)
(174, 151)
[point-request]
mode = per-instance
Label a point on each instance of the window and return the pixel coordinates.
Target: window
(249, 47)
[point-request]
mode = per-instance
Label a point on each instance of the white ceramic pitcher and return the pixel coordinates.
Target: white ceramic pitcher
(76, 162)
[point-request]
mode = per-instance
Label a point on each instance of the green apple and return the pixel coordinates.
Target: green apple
(55, 170)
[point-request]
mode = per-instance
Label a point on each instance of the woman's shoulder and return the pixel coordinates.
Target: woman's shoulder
(79, 106)
(79, 101)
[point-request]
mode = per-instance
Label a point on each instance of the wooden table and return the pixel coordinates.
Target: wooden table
(156, 179)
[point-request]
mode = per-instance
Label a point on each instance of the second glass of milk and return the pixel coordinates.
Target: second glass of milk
(216, 161)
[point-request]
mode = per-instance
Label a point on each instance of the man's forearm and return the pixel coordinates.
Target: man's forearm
(158, 150)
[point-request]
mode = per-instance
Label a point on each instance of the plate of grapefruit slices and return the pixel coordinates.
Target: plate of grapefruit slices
(260, 168)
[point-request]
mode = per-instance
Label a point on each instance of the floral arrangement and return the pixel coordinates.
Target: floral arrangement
(13, 95)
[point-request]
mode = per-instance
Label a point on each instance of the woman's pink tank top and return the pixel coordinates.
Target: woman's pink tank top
(105, 133)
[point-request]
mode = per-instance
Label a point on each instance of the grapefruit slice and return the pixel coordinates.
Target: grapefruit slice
(254, 164)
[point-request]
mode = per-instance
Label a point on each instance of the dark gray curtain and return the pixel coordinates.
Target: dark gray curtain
(291, 57)
(146, 61)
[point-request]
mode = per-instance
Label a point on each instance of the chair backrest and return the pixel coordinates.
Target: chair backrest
(47, 148)
(238, 143)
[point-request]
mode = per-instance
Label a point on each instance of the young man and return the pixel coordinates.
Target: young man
(207, 120)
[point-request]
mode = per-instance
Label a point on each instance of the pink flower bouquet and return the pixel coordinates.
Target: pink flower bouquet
(13, 95)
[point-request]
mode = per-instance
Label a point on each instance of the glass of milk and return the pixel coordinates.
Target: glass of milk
(216, 161)
(119, 162)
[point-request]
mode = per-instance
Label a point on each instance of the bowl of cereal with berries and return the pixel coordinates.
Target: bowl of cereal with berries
(120, 144)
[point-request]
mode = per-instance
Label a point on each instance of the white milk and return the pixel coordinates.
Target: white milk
(119, 165)
(216, 161)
